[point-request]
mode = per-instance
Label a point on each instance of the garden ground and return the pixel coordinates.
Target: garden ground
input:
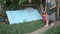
(21, 28)
(33, 27)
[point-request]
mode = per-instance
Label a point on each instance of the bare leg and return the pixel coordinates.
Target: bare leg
(47, 22)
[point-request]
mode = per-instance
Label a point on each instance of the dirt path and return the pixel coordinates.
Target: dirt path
(39, 31)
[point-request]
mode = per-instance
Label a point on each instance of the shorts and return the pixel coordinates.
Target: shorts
(51, 17)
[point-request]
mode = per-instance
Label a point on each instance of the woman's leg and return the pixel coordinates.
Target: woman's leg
(47, 20)
(52, 18)
(47, 23)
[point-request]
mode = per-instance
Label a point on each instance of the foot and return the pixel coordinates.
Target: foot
(52, 24)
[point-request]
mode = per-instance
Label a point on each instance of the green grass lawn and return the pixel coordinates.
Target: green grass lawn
(53, 30)
(21, 28)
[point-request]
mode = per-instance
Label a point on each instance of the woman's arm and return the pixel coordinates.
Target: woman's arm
(53, 6)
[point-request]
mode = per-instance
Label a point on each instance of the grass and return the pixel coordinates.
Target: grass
(21, 28)
(53, 30)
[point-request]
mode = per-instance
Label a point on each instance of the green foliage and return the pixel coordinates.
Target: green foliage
(12, 4)
(13, 1)
(21, 28)
(53, 30)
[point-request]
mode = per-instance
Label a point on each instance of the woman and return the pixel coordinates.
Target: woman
(50, 5)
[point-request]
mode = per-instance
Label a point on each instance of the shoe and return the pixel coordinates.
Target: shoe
(52, 24)
(46, 25)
